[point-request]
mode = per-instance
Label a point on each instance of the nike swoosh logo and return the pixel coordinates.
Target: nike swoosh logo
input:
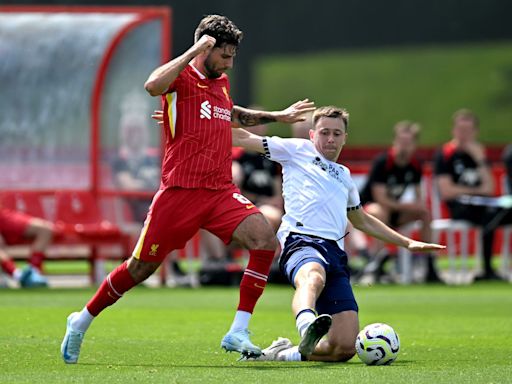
(258, 286)
(201, 85)
(249, 206)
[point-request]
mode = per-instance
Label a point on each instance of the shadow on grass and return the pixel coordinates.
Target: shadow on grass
(257, 365)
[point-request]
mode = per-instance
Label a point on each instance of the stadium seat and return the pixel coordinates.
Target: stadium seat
(26, 202)
(78, 213)
(79, 220)
(441, 223)
(405, 258)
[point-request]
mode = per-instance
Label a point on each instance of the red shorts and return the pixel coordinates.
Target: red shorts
(13, 226)
(177, 214)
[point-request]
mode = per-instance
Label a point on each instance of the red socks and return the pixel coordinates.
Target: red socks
(116, 283)
(255, 278)
(8, 266)
(36, 260)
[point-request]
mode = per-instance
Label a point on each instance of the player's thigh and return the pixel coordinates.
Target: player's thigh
(344, 330)
(272, 214)
(254, 232)
(235, 218)
(174, 217)
(311, 271)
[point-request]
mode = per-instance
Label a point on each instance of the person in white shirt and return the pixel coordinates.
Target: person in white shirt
(319, 197)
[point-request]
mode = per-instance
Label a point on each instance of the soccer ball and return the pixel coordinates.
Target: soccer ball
(377, 344)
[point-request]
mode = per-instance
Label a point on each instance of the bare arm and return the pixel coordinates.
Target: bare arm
(381, 197)
(162, 77)
(449, 190)
(247, 140)
(376, 228)
(244, 117)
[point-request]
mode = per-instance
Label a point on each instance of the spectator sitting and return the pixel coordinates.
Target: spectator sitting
(15, 227)
(507, 160)
(393, 173)
(137, 166)
(461, 169)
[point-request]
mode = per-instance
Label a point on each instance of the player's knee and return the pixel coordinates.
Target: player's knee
(140, 270)
(314, 280)
(265, 240)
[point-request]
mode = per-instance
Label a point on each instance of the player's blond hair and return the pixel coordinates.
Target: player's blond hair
(332, 112)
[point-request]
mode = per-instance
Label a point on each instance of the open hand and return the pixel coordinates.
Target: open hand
(295, 112)
(158, 115)
(419, 246)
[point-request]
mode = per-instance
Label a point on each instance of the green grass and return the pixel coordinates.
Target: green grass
(382, 86)
(448, 335)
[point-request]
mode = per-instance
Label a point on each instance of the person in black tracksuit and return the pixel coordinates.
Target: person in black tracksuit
(392, 174)
(461, 168)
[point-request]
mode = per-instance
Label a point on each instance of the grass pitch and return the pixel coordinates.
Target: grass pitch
(448, 335)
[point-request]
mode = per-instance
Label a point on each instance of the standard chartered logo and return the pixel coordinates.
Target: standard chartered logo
(206, 110)
(218, 112)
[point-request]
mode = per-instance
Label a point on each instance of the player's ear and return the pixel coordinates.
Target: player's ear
(311, 134)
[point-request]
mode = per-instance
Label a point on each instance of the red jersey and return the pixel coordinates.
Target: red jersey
(197, 123)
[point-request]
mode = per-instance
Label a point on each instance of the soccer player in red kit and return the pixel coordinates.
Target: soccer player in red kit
(196, 189)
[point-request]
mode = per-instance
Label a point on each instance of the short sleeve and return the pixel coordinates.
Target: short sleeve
(279, 149)
(354, 201)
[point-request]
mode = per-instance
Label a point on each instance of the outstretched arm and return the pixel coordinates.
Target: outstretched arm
(241, 137)
(161, 78)
(244, 117)
(376, 228)
(247, 140)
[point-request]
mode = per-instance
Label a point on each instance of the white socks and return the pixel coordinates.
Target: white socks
(16, 275)
(304, 319)
(82, 321)
(241, 321)
(291, 354)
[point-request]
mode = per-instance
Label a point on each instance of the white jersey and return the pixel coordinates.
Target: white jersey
(317, 192)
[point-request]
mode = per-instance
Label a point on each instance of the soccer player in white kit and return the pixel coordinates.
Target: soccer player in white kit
(320, 196)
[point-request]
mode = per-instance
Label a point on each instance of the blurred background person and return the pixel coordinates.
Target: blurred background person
(507, 160)
(461, 169)
(393, 174)
(16, 228)
(137, 165)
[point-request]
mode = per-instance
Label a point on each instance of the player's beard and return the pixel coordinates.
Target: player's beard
(210, 72)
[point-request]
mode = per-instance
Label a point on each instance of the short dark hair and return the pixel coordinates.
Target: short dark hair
(221, 28)
(466, 114)
(333, 112)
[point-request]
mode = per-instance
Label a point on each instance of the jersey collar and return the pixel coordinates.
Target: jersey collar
(201, 76)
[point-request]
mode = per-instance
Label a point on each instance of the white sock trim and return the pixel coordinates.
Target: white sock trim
(82, 321)
(303, 321)
(241, 321)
